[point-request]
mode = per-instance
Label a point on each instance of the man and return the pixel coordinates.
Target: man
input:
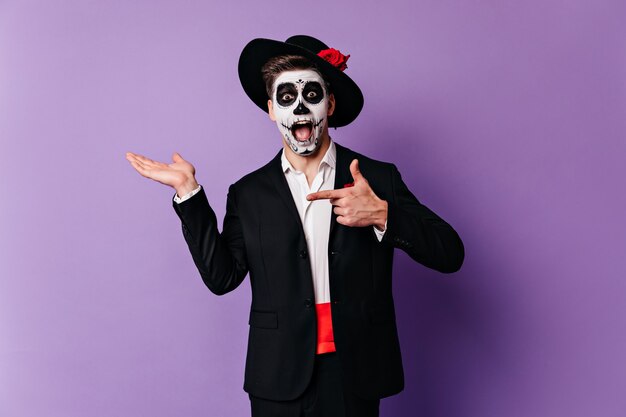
(316, 230)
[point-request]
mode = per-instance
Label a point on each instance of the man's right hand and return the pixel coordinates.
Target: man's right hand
(178, 175)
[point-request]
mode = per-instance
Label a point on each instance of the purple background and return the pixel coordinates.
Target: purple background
(506, 118)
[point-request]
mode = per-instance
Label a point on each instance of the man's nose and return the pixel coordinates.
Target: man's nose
(301, 109)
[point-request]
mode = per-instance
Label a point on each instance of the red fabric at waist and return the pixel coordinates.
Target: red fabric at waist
(325, 339)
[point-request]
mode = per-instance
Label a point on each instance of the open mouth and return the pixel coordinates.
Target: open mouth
(302, 130)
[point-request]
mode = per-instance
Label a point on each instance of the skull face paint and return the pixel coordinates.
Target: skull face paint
(300, 104)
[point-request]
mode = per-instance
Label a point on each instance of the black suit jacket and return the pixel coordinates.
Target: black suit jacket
(263, 235)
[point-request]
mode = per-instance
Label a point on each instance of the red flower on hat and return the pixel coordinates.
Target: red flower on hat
(334, 57)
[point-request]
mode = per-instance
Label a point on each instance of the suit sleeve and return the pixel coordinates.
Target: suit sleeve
(219, 257)
(421, 233)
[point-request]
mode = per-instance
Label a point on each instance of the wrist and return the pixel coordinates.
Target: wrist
(186, 187)
(381, 222)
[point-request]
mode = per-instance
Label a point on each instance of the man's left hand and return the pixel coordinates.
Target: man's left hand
(356, 206)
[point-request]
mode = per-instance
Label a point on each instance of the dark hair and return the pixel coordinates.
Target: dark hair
(278, 64)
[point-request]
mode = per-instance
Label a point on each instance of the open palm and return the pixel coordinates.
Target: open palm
(177, 175)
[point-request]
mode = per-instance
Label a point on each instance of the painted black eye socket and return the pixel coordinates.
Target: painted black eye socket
(286, 94)
(313, 92)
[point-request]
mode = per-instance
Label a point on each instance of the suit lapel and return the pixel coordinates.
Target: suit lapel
(282, 187)
(342, 177)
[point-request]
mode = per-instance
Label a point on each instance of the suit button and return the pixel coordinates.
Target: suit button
(308, 303)
(303, 254)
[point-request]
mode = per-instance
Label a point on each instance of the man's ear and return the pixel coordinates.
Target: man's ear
(270, 110)
(331, 104)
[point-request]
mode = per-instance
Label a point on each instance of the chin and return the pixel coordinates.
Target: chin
(307, 149)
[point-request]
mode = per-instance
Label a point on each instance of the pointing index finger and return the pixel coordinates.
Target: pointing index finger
(327, 194)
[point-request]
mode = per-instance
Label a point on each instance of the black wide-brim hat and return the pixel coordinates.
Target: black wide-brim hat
(348, 96)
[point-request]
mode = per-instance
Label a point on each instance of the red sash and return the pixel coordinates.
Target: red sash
(325, 339)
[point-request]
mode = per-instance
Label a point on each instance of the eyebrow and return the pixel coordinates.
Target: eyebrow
(285, 86)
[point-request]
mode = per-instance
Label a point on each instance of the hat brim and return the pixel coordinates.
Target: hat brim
(348, 96)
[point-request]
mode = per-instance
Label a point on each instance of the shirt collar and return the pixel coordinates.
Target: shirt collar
(330, 158)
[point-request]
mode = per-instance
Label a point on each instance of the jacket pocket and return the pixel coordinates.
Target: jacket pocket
(263, 319)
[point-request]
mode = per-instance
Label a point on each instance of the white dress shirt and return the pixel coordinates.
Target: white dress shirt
(315, 216)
